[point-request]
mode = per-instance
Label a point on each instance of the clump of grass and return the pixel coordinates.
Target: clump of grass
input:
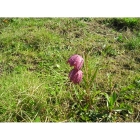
(133, 43)
(123, 23)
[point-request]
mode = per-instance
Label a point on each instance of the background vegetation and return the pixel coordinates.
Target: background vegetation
(34, 84)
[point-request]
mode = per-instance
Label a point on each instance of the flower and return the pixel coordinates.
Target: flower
(76, 61)
(75, 76)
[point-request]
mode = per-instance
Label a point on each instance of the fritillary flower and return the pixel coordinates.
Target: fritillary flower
(75, 76)
(76, 61)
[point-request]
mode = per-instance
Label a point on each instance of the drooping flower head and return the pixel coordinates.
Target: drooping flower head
(75, 76)
(76, 61)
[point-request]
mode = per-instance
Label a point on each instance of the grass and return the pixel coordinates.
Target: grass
(34, 84)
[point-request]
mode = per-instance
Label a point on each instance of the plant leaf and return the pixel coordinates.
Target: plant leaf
(94, 75)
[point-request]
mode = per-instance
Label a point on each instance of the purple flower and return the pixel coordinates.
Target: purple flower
(75, 76)
(76, 61)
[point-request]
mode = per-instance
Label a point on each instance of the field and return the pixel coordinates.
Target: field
(34, 83)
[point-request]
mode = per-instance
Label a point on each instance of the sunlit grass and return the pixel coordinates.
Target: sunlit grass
(34, 83)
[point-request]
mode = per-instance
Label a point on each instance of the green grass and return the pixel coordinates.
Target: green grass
(34, 84)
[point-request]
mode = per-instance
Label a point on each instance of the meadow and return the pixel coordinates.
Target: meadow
(34, 82)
